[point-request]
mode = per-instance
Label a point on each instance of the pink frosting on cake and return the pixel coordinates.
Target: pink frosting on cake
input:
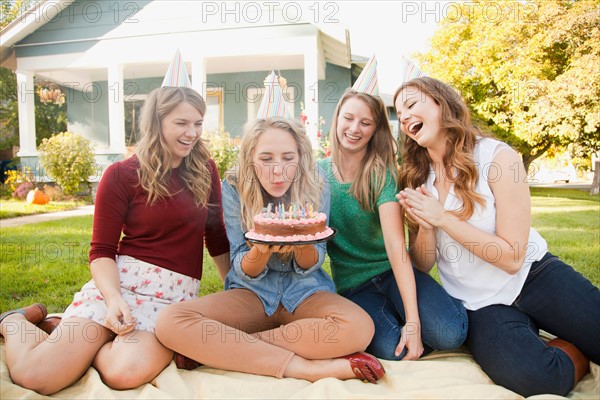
(298, 225)
(292, 238)
(263, 218)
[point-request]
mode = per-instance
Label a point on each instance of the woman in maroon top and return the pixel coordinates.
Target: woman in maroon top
(165, 202)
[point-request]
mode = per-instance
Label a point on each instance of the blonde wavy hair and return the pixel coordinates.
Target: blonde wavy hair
(380, 156)
(154, 155)
(306, 186)
(460, 136)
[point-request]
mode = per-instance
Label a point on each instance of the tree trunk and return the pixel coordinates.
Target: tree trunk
(529, 154)
(528, 159)
(596, 182)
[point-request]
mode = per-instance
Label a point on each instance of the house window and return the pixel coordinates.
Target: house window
(133, 106)
(213, 119)
(255, 96)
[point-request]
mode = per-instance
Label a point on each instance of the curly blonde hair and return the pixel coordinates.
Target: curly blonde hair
(381, 151)
(460, 136)
(306, 186)
(154, 155)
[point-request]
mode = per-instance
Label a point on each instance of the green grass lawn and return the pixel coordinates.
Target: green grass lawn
(10, 208)
(47, 262)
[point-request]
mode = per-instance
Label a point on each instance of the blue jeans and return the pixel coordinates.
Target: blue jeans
(443, 318)
(504, 339)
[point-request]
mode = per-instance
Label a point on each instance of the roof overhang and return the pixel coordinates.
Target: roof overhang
(28, 22)
(335, 51)
(332, 49)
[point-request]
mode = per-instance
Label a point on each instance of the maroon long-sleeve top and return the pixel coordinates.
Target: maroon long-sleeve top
(170, 233)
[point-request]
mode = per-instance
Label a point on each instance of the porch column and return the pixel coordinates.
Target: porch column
(26, 107)
(199, 75)
(116, 110)
(311, 91)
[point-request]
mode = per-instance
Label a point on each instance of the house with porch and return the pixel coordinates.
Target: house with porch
(104, 57)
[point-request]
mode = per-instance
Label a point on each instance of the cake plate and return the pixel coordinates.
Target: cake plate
(258, 241)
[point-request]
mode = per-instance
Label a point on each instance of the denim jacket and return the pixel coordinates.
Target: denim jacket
(281, 281)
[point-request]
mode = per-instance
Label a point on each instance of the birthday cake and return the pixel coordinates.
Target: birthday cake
(298, 224)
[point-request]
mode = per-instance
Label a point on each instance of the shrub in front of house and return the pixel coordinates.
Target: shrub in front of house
(68, 158)
(54, 192)
(14, 178)
(222, 150)
(22, 190)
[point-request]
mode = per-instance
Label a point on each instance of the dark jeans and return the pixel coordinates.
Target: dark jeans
(443, 318)
(504, 339)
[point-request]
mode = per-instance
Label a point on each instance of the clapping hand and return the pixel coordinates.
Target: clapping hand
(422, 206)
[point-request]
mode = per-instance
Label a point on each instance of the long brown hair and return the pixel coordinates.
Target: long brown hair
(380, 156)
(460, 136)
(154, 155)
(306, 186)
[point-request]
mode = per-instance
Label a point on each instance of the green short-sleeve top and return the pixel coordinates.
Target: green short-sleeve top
(357, 252)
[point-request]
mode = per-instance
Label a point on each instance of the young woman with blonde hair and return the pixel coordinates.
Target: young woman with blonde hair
(165, 202)
(467, 203)
(368, 255)
(279, 315)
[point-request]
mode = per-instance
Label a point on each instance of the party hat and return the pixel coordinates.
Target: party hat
(409, 70)
(176, 74)
(367, 80)
(273, 103)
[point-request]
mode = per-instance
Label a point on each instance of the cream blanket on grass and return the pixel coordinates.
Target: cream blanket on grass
(441, 375)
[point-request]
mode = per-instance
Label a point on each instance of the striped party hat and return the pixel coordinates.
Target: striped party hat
(367, 80)
(273, 103)
(177, 74)
(409, 70)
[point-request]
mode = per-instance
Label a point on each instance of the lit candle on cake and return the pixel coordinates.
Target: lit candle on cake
(269, 207)
(311, 210)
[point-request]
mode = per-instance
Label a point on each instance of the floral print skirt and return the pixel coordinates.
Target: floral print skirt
(144, 286)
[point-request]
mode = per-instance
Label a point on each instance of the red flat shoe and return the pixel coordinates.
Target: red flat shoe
(34, 313)
(183, 362)
(49, 324)
(366, 367)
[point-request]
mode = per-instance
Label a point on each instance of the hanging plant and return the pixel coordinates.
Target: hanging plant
(50, 92)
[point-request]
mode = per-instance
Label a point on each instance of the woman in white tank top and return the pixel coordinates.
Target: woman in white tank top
(467, 202)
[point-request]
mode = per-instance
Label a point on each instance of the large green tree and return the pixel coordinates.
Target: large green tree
(12, 9)
(50, 117)
(9, 123)
(529, 70)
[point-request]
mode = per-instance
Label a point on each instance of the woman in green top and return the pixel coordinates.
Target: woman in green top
(411, 311)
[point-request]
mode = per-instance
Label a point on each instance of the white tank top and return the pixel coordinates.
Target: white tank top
(465, 276)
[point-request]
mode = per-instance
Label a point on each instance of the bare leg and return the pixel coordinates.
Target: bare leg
(132, 360)
(47, 364)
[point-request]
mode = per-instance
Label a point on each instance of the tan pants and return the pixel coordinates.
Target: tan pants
(229, 330)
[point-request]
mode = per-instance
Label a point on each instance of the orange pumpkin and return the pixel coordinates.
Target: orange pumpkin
(36, 196)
